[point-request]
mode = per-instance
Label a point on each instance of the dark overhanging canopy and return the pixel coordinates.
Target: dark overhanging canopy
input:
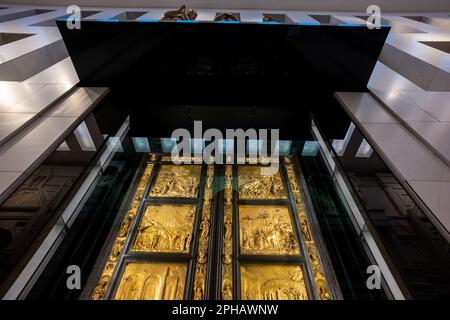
(229, 75)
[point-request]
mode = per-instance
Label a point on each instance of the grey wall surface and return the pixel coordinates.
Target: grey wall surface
(335, 5)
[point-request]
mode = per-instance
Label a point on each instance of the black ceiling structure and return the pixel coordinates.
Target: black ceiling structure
(229, 75)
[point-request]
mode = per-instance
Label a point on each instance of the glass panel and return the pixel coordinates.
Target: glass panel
(99, 291)
(322, 288)
(152, 281)
(165, 228)
(273, 282)
(413, 248)
(267, 230)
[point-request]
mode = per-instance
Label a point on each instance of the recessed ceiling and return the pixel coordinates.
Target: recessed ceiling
(327, 5)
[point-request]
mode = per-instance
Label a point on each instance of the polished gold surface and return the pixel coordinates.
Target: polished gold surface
(152, 281)
(272, 282)
(257, 160)
(177, 181)
(227, 250)
(183, 160)
(165, 228)
(204, 230)
(319, 277)
(266, 230)
(125, 227)
(254, 185)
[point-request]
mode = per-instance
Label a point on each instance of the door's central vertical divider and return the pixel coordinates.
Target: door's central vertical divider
(204, 232)
(227, 251)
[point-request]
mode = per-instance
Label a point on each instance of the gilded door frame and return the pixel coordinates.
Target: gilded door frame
(315, 230)
(126, 255)
(96, 273)
(301, 259)
(129, 256)
(213, 281)
(267, 259)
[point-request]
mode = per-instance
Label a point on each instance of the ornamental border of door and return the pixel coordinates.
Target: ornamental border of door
(212, 281)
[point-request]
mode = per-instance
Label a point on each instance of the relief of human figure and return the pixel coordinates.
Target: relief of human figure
(227, 293)
(198, 293)
(228, 230)
(187, 242)
(204, 229)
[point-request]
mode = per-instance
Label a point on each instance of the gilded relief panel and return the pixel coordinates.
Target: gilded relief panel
(266, 230)
(152, 281)
(177, 181)
(272, 282)
(165, 228)
(255, 185)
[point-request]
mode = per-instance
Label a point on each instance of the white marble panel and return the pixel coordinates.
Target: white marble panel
(251, 15)
(62, 72)
(12, 93)
(21, 151)
(77, 103)
(436, 134)
(403, 108)
(365, 107)
(385, 79)
(33, 62)
(11, 122)
(412, 159)
(391, 56)
(34, 18)
(7, 179)
(417, 71)
(436, 104)
(156, 14)
(301, 17)
(441, 82)
(39, 101)
(57, 51)
(8, 72)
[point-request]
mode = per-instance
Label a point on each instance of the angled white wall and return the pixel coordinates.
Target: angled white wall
(327, 5)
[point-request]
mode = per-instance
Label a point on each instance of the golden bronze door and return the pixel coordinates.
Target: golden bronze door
(197, 231)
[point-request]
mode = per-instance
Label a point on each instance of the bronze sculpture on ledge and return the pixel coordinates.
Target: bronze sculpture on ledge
(268, 18)
(182, 13)
(226, 16)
